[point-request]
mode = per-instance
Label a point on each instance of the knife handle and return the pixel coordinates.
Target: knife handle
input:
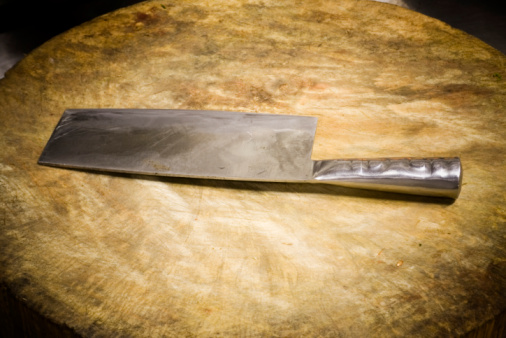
(440, 177)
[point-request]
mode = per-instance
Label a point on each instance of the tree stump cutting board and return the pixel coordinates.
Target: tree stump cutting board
(109, 254)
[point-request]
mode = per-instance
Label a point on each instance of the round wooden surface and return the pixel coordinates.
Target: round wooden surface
(142, 256)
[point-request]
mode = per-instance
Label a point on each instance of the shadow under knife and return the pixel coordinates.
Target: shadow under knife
(280, 187)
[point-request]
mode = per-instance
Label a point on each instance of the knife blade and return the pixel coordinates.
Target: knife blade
(231, 146)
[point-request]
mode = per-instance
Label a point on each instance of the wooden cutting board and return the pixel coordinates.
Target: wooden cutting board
(141, 256)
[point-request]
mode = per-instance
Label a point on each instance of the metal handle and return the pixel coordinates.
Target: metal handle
(418, 176)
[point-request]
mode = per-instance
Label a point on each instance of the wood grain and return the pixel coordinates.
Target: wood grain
(141, 256)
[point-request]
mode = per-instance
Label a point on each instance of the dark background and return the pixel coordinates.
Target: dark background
(24, 25)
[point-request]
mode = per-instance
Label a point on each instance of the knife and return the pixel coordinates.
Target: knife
(230, 146)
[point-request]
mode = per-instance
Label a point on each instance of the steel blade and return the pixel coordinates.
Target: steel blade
(187, 143)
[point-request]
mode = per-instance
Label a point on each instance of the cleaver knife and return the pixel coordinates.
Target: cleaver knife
(230, 146)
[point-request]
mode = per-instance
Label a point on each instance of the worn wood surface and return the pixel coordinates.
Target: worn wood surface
(140, 256)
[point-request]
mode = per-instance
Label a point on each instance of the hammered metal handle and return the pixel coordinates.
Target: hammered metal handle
(418, 176)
